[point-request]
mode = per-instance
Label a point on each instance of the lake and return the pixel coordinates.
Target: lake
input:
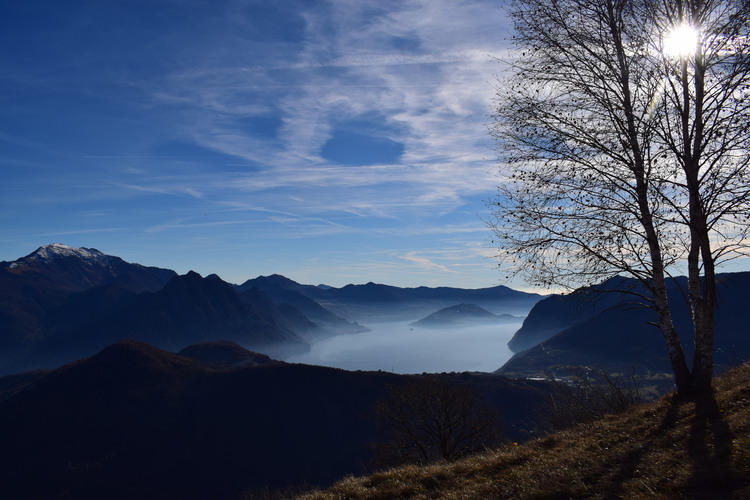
(397, 347)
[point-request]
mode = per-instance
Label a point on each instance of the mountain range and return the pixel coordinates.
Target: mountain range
(141, 383)
(61, 303)
(374, 302)
(606, 327)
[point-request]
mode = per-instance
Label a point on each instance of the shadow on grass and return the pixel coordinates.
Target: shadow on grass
(710, 447)
(629, 462)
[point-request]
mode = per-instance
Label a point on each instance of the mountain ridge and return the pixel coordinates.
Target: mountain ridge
(59, 303)
(373, 302)
(608, 330)
(187, 310)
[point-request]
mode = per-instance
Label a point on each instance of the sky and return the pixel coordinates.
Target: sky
(337, 141)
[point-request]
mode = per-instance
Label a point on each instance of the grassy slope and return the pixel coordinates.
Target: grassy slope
(665, 449)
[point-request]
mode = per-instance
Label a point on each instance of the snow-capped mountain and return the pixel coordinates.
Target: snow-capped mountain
(61, 267)
(60, 303)
(49, 253)
(36, 290)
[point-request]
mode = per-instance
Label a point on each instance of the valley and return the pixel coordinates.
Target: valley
(398, 347)
(123, 381)
(59, 304)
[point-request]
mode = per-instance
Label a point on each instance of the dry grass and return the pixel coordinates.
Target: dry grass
(666, 449)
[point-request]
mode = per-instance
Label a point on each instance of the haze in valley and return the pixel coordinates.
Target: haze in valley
(397, 347)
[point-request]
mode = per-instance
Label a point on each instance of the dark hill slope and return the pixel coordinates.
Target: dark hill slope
(607, 330)
(555, 313)
(12, 384)
(225, 354)
(664, 450)
(188, 310)
(619, 340)
(137, 422)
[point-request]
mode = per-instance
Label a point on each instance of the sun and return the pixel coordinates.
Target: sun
(680, 41)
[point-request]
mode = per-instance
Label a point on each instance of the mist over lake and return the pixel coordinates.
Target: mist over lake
(395, 346)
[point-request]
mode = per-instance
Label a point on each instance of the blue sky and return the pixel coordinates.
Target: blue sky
(336, 142)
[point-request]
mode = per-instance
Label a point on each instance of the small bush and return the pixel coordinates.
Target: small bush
(588, 395)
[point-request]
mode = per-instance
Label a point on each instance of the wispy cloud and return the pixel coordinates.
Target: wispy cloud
(425, 263)
(173, 190)
(183, 224)
(353, 65)
(73, 232)
(255, 97)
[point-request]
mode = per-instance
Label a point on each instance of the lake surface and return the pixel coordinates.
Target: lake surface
(397, 347)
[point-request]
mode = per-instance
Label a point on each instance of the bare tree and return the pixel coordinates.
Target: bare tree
(587, 395)
(428, 419)
(616, 158)
(704, 130)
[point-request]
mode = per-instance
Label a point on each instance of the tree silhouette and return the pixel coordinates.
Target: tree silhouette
(616, 158)
(428, 420)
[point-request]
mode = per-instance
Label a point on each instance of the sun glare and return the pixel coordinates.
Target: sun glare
(680, 41)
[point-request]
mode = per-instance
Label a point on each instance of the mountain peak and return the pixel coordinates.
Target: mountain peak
(57, 253)
(276, 281)
(57, 250)
(461, 313)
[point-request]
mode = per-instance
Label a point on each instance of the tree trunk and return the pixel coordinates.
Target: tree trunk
(702, 290)
(682, 376)
(658, 283)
